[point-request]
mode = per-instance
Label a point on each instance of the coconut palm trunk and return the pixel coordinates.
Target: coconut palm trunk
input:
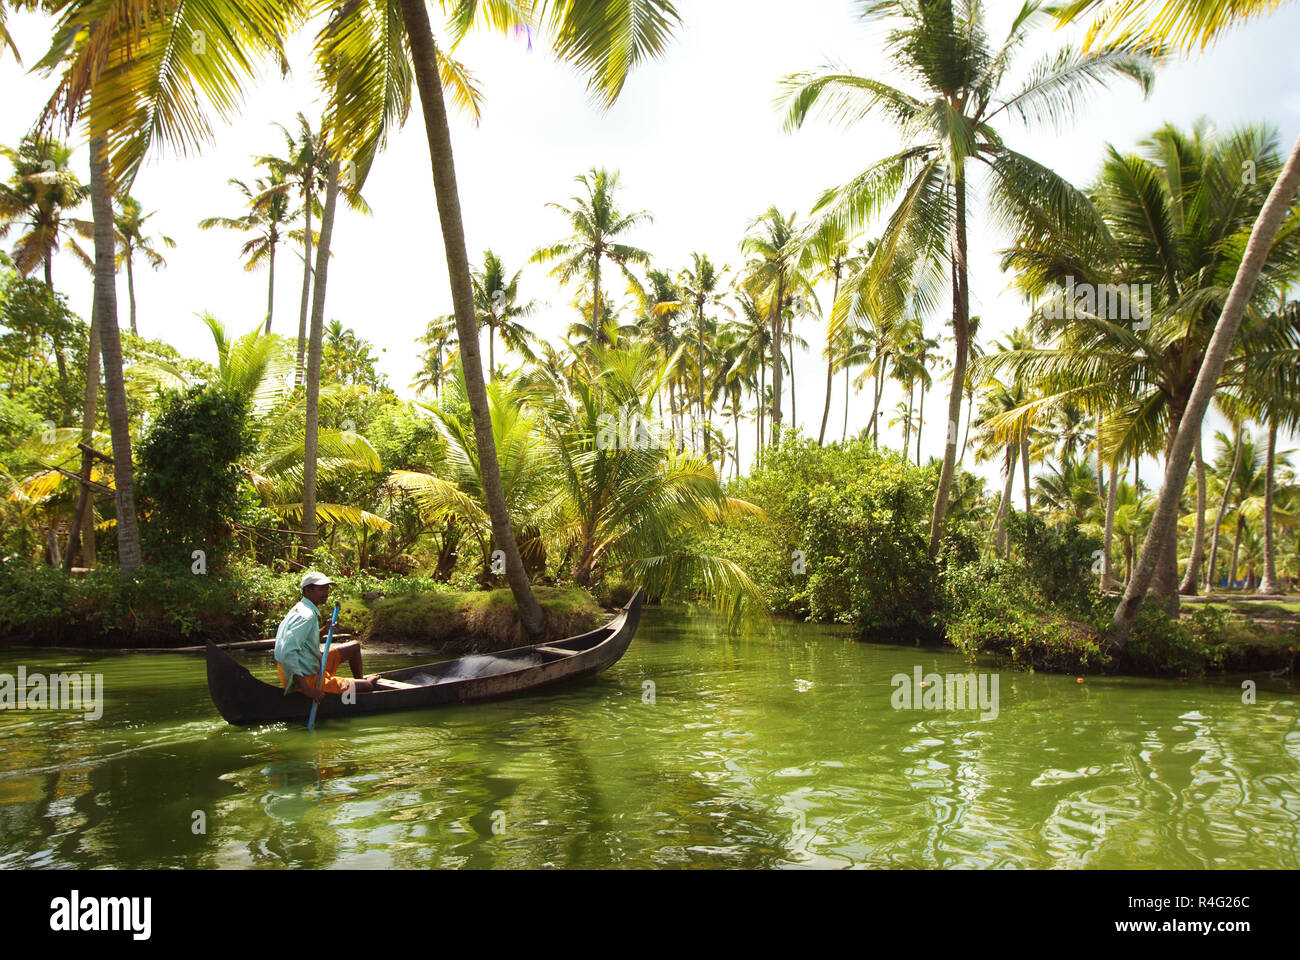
(1236, 550)
(1188, 586)
(1243, 287)
(270, 287)
(1112, 496)
(424, 56)
(1024, 464)
(1004, 504)
(89, 402)
(830, 368)
(101, 203)
(314, 350)
(920, 421)
(1269, 583)
(1223, 508)
(305, 299)
(130, 291)
(776, 324)
(789, 347)
(961, 338)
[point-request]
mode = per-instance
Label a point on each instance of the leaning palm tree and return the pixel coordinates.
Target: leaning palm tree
(604, 38)
(108, 52)
(267, 219)
(1187, 26)
(945, 50)
(596, 224)
(1173, 219)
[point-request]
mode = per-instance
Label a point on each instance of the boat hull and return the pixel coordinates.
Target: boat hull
(242, 699)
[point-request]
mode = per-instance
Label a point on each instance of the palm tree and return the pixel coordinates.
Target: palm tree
(439, 336)
(632, 505)
(989, 442)
(268, 220)
(1187, 26)
(586, 38)
(596, 223)
(776, 274)
(108, 53)
(830, 257)
(37, 197)
(947, 52)
(1171, 220)
(131, 242)
(497, 301)
(701, 287)
(302, 170)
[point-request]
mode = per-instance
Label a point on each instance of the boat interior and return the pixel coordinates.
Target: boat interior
(490, 664)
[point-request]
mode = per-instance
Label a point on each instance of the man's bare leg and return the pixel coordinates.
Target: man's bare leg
(351, 653)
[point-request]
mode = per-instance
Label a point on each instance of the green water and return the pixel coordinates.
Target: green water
(766, 751)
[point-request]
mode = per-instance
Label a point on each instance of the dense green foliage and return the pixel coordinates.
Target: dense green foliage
(190, 477)
(844, 538)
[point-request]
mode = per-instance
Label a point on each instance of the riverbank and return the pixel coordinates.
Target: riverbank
(160, 609)
(985, 614)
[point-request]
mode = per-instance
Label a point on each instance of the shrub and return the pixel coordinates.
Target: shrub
(1058, 559)
(991, 608)
(189, 484)
(860, 519)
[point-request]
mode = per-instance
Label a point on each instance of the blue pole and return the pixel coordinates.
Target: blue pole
(320, 676)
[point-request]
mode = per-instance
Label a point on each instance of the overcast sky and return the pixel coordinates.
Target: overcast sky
(696, 139)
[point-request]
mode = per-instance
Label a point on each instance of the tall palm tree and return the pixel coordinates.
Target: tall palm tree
(109, 53)
(132, 242)
(301, 171)
(268, 219)
(496, 299)
(830, 257)
(945, 50)
(701, 287)
(604, 39)
(597, 223)
(776, 273)
(38, 197)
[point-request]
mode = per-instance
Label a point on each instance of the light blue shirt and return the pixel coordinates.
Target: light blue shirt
(297, 642)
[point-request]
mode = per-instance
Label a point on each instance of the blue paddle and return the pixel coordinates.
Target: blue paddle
(320, 677)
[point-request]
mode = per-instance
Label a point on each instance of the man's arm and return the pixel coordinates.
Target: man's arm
(306, 689)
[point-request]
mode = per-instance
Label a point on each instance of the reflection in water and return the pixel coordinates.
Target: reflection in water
(761, 751)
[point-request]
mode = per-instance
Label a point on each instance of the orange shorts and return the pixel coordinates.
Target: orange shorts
(333, 684)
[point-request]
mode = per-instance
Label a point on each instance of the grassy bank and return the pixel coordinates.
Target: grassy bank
(173, 607)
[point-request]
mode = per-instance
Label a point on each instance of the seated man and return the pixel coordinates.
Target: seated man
(297, 647)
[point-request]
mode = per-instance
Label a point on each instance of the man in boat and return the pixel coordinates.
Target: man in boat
(297, 647)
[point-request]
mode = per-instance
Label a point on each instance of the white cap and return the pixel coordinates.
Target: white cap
(313, 578)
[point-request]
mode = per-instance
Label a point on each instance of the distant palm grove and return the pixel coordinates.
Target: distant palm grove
(665, 440)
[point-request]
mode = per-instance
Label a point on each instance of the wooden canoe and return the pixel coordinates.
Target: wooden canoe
(243, 699)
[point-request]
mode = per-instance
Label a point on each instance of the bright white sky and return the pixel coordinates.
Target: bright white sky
(696, 139)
